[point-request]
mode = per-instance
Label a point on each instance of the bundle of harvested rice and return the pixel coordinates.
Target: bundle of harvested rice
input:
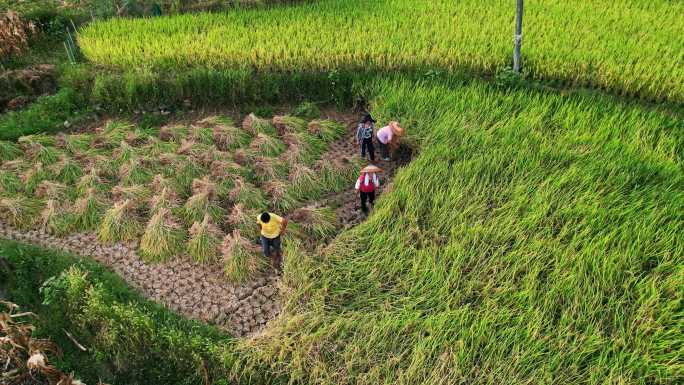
(123, 153)
(67, 170)
(287, 123)
(202, 202)
(243, 219)
(32, 177)
(40, 153)
(247, 194)
(318, 223)
(254, 125)
(76, 142)
(163, 237)
(164, 199)
(54, 218)
(137, 193)
(120, 223)
(160, 182)
(205, 240)
(90, 180)
(239, 257)
(174, 133)
(87, 211)
(50, 190)
(244, 157)
(264, 169)
(10, 183)
(202, 135)
(267, 145)
(134, 172)
(9, 151)
(327, 130)
(19, 211)
(224, 169)
(186, 147)
(156, 147)
(112, 133)
(228, 137)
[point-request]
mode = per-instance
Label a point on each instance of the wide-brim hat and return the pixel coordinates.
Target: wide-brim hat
(396, 128)
(371, 168)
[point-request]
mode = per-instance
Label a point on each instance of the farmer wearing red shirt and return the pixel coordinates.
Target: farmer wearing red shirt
(366, 184)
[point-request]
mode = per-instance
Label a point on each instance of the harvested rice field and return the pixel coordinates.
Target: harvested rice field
(173, 209)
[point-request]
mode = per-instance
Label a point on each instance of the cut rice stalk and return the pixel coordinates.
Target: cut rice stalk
(137, 193)
(243, 219)
(240, 258)
(255, 125)
(165, 199)
(287, 123)
(50, 190)
(205, 240)
(88, 181)
(54, 219)
(87, 211)
(318, 223)
(67, 170)
(199, 205)
(267, 145)
(246, 194)
(229, 137)
(119, 223)
(327, 130)
(163, 237)
(10, 183)
(33, 177)
(133, 172)
(19, 211)
(174, 133)
(9, 150)
(202, 135)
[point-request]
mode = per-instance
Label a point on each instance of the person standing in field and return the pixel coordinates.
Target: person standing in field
(364, 136)
(272, 229)
(388, 136)
(366, 184)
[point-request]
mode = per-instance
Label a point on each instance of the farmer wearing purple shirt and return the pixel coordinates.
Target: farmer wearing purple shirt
(385, 136)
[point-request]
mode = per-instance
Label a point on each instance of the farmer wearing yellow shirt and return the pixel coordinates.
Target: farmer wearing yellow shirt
(272, 228)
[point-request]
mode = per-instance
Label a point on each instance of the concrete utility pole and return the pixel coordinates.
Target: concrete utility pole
(518, 37)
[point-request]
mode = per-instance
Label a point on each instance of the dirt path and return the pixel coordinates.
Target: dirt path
(201, 292)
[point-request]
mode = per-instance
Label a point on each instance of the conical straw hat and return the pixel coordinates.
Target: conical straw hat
(371, 168)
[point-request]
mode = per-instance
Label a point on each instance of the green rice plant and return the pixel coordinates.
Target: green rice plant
(164, 199)
(302, 147)
(202, 135)
(9, 151)
(243, 219)
(119, 223)
(163, 238)
(87, 211)
(173, 133)
(32, 177)
(287, 123)
(19, 211)
(123, 153)
(66, 170)
(10, 183)
(75, 143)
(113, 133)
(228, 137)
(254, 125)
(277, 191)
(90, 179)
(240, 258)
(327, 130)
(202, 202)
(305, 185)
(133, 172)
(40, 153)
(318, 223)
(307, 111)
(156, 147)
(247, 194)
(138, 194)
(184, 171)
(54, 218)
(266, 145)
(34, 139)
(205, 241)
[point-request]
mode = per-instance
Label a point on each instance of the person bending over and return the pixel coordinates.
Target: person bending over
(272, 229)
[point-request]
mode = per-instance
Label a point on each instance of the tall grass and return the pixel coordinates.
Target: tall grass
(625, 46)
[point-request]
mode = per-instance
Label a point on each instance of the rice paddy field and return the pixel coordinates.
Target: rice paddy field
(184, 189)
(535, 237)
(631, 47)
